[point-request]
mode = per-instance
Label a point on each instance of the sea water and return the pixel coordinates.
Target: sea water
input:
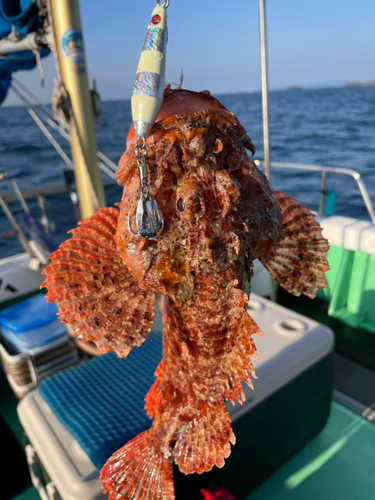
(331, 127)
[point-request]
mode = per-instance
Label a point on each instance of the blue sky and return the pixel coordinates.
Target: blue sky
(311, 43)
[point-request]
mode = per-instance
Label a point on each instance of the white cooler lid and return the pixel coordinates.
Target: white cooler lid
(292, 343)
(70, 469)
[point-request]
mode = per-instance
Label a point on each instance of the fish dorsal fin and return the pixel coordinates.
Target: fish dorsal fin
(298, 260)
(94, 290)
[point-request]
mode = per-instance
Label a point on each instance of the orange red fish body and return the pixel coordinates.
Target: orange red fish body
(220, 213)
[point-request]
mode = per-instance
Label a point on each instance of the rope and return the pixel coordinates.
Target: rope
(43, 128)
(33, 96)
(56, 127)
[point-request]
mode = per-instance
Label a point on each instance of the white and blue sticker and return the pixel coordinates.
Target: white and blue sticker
(72, 45)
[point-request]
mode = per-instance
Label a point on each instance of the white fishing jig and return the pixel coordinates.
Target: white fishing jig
(146, 101)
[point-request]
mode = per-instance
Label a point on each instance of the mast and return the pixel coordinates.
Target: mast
(264, 80)
(71, 65)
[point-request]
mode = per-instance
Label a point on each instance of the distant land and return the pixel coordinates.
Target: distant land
(371, 83)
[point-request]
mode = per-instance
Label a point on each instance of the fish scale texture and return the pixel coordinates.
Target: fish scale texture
(101, 402)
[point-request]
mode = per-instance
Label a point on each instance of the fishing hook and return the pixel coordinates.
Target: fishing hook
(130, 229)
(148, 216)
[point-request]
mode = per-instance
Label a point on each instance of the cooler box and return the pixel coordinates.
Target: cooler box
(79, 417)
(30, 324)
(34, 343)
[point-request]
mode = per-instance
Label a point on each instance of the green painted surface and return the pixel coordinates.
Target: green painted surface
(351, 287)
(338, 464)
(29, 494)
(334, 256)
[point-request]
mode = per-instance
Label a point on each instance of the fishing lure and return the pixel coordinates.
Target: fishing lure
(146, 102)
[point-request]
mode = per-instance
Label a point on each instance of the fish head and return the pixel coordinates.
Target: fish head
(199, 175)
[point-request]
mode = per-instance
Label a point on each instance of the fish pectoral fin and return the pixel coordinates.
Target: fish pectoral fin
(298, 260)
(138, 471)
(205, 440)
(94, 290)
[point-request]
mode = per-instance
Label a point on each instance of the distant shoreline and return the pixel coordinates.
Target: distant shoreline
(371, 83)
(289, 88)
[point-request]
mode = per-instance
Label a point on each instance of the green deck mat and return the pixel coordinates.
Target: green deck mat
(338, 464)
(29, 494)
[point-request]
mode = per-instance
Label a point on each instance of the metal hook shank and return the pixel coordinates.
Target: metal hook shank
(149, 218)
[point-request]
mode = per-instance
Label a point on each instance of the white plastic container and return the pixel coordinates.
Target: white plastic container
(292, 343)
(351, 234)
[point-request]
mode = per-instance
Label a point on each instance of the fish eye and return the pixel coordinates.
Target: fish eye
(181, 204)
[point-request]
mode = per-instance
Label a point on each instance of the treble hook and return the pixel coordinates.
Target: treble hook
(130, 229)
(149, 218)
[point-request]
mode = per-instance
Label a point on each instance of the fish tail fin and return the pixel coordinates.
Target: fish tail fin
(205, 440)
(138, 471)
(298, 260)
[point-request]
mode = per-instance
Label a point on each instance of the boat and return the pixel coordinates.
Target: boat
(303, 469)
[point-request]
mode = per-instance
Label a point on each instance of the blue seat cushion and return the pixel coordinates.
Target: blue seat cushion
(100, 402)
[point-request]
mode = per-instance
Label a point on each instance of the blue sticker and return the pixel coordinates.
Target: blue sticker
(72, 45)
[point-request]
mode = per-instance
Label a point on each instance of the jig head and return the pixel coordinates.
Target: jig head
(146, 101)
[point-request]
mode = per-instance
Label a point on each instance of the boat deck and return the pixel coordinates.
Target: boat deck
(338, 463)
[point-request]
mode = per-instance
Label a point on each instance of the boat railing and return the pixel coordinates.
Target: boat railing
(325, 171)
(40, 192)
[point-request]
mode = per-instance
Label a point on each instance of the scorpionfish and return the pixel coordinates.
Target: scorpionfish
(220, 213)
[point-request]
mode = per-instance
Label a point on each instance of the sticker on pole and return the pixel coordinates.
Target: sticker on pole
(72, 45)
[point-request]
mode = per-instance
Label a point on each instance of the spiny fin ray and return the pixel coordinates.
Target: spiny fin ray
(138, 471)
(95, 291)
(298, 260)
(205, 440)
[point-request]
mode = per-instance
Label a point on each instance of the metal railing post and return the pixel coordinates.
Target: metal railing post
(323, 191)
(264, 81)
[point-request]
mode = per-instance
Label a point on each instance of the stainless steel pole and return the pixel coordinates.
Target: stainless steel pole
(323, 189)
(266, 136)
(263, 67)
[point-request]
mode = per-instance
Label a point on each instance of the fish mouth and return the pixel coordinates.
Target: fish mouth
(184, 102)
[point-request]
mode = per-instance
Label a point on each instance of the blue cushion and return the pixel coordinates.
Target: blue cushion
(101, 402)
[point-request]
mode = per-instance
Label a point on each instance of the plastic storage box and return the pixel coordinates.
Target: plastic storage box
(35, 344)
(30, 324)
(289, 406)
(351, 279)
(27, 369)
